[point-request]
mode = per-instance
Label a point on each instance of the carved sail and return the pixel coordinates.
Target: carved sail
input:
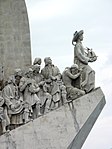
(15, 50)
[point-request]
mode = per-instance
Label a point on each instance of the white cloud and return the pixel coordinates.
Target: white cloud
(48, 9)
(101, 135)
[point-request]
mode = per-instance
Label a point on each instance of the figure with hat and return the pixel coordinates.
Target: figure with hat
(82, 57)
(69, 76)
(29, 89)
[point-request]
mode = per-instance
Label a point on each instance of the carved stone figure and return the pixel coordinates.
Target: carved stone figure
(15, 47)
(14, 102)
(2, 115)
(81, 58)
(29, 88)
(18, 75)
(50, 73)
(37, 60)
(69, 75)
(63, 93)
(1, 77)
(43, 95)
(62, 87)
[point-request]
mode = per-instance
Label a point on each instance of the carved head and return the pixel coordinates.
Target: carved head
(11, 79)
(37, 61)
(36, 68)
(18, 72)
(78, 35)
(47, 60)
(29, 73)
(74, 69)
(18, 75)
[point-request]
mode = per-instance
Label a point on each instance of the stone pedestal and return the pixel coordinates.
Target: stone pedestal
(64, 128)
(15, 50)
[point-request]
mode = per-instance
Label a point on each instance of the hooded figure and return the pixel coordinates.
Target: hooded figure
(37, 61)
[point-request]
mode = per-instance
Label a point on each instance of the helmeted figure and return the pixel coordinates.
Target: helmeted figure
(81, 58)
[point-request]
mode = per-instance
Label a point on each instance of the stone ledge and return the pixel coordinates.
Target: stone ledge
(63, 128)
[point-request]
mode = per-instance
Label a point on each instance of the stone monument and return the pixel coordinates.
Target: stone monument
(15, 50)
(42, 108)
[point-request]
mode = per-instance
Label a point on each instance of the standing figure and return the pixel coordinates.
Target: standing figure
(50, 73)
(18, 75)
(43, 94)
(69, 77)
(62, 88)
(81, 58)
(4, 119)
(14, 103)
(63, 93)
(29, 89)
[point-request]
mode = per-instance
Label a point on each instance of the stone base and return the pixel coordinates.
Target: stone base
(64, 128)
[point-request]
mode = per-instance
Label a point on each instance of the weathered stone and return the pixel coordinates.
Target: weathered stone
(64, 128)
(82, 58)
(15, 47)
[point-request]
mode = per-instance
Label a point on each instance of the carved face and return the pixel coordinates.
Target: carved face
(37, 69)
(81, 37)
(17, 80)
(30, 74)
(39, 61)
(48, 60)
(74, 71)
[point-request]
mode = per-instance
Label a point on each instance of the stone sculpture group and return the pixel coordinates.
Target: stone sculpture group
(30, 93)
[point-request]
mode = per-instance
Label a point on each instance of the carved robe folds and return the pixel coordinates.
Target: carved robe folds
(14, 103)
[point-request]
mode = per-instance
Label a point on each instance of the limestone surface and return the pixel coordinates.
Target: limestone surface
(64, 128)
(15, 49)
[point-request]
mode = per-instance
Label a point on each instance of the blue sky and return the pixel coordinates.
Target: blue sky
(52, 24)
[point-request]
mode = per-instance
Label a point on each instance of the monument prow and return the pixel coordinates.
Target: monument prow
(42, 108)
(64, 128)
